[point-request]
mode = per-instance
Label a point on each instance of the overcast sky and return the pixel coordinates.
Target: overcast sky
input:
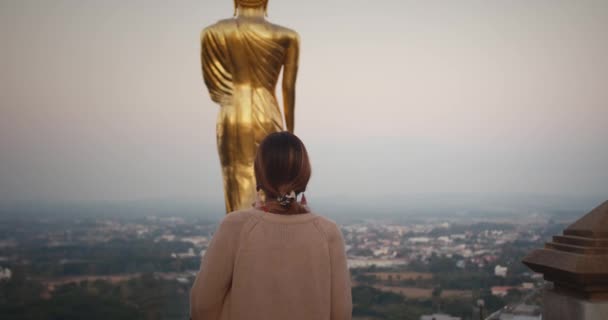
(104, 100)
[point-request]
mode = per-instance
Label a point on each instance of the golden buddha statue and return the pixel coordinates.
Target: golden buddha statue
(242, 58)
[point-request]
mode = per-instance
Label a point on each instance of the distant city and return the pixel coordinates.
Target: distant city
(404, 266)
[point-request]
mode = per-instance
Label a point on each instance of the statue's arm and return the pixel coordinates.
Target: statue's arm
(205, 62)
(290, 73)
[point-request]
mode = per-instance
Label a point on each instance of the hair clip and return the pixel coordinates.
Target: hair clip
(286, 199)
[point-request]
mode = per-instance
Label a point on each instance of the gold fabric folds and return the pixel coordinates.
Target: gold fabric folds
(241, 64)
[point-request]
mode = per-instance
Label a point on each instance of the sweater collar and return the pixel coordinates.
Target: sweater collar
(284, 218)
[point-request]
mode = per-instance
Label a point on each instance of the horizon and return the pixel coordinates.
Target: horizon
(456, 208)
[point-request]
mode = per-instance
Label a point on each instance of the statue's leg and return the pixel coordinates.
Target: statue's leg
(245, 184)
(236, 148)
(228, 188)
(225, 149)
(241, 126)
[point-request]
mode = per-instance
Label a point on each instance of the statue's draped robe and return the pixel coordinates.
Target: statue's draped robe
(241, 66)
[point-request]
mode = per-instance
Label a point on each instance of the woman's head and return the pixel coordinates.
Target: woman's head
(282, 166)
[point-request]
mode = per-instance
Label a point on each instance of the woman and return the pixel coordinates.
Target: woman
(275, 260)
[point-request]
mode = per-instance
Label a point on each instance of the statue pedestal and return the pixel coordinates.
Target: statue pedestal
(577, 265)
(563, 306)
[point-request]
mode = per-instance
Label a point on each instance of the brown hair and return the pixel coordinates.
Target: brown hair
(281, 166)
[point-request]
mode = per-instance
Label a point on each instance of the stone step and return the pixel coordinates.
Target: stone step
(581, 241)
(577, 249)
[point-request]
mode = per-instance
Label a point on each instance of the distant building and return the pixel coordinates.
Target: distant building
(188, 254)
(444, 239)
(527, 285)
(507, 316)
(380, 252)
(500, 271)
(358, 263)
(458, 236)
(522, 312)
(5, 274)
(197, 240)
(500, 291)
(438, 316)
(419, 240)
(165, 237)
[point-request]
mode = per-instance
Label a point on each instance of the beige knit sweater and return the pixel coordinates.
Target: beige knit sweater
(268, 266)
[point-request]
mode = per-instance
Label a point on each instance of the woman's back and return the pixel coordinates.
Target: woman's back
(270, 266)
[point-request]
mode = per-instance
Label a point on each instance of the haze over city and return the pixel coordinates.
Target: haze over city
(104, 101)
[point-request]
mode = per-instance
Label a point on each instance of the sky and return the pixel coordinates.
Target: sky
(104, 100)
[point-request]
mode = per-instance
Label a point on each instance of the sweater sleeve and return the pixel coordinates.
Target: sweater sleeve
(215, 275)
(341, 299)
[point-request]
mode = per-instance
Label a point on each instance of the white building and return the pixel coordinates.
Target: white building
(522, 312)
(197, 241)
(419, 240)
(358, 263)
(5, 273)
(438, 316)
(444, 239)
(188, 254)
(458, 236)
(500, 271)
